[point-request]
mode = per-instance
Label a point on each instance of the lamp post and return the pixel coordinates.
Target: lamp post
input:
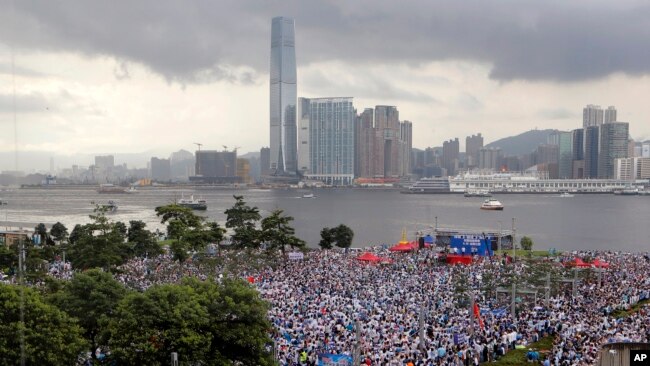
(499, 237)
(514, 242)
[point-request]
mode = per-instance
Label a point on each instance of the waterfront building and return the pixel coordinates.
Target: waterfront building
(303, 135)
(104, 168)
(564, 142)
(366, 136)
(610, 114)
(450, 152)
(265, 161)
(160, 169)
(578, 154)
(388, 129)
(283, 154)
(406, 143)
(472, 146)
(645, 149)
(383, 143)
(216, 166)
(515, 182)
(613, 145)
(182, 165)
(244, 170)
(631, 148)
(592, 115)
(632, 168)
(591, 144)
(489, 159)
(331, 140)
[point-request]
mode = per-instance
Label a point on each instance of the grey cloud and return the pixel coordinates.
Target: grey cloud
(557, 113)
(469, 102)
(198, 41)
(25, 103)
(56, 103)
(364, 85)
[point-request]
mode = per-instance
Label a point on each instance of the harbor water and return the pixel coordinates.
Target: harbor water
(582, 222)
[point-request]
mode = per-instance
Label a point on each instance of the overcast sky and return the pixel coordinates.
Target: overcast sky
(118, 76)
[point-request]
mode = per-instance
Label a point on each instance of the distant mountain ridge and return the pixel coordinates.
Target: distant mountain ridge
(523, 143)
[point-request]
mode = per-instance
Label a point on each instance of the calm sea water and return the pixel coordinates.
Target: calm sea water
(604, 222)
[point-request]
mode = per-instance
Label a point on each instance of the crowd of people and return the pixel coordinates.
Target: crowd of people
(415, 310)
(318, 303)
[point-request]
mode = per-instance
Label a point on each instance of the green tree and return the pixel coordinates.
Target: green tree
(185, 227)
(147, 327)
(205, 322)
(237, 322)
(142, 241)
(277, 232)
(92, 298)
(243, 220)
(59, 232)
(41, 230)
(51, 336)
(327, 239)
(343, 236)
(526, 243)
(101, 243)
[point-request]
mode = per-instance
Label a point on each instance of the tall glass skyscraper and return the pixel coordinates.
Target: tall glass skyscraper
(283, 97)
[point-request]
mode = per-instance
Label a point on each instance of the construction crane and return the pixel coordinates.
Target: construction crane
(199, 145)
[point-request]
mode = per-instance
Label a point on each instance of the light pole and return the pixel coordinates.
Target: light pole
(499, 237)
(514, 242)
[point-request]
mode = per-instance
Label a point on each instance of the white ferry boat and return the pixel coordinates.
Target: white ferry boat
(194, 204)
(492, 205)
(565, 194)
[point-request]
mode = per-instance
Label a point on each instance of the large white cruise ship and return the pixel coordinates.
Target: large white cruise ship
(516, 182)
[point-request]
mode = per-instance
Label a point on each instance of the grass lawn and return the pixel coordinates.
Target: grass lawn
(518, 356)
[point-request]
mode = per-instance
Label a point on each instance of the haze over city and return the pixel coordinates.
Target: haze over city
(157, 77)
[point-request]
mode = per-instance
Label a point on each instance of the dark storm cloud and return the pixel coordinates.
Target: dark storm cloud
(193, 40)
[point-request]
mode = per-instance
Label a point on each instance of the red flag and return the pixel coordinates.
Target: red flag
(477, 314)
(251, 279)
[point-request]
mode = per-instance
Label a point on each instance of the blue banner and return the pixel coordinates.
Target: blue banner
(328, 359)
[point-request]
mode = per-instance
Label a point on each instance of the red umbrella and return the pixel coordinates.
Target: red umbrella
(404, 247)
(600, 264)
(368, 257)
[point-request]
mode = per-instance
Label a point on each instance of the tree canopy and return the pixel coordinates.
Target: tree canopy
(204, 322)
(341, 236)
(243, 220)
(278, 233)
(91, 297)
(51, 336)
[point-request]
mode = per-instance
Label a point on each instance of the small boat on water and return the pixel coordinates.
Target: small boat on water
(477, 193)
(566, 194)
(110, 188)
(194, 204)
(308, 195)
(131, 190)
(492, 205)
(627, 192)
